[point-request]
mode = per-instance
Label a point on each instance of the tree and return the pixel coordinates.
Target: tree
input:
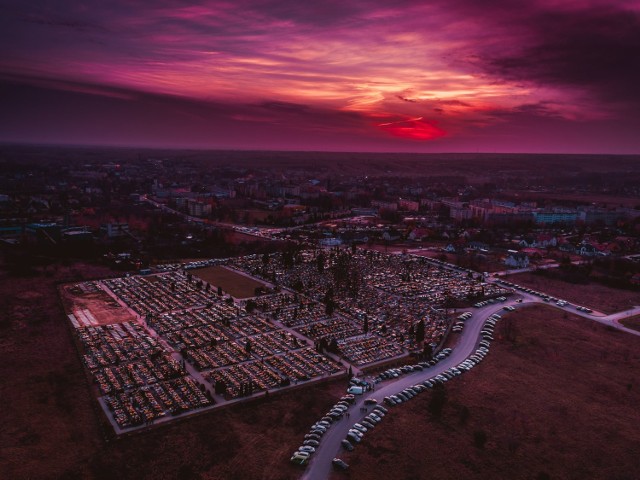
(420, 331)
(220, 387)
(437, 401)
(464, 415)
(479, 438)
(509, 329)
(428, 351)
(320, 262)
(330, 307)
(251, 306)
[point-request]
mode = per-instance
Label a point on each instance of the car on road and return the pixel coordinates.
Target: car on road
(298, 459)
(367, 423)
(339, 464)
(373, 418)
(360, 427)
(347, 445)
(355, 390)
(370, 401)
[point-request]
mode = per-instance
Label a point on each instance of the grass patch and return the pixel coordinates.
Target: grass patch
(235, 284)
(632, 322)
(592, 295)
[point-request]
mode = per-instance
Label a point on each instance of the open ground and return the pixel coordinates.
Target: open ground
(104, 309)
(593, 295)
(235, 284)
(632, 322)
(557, 400)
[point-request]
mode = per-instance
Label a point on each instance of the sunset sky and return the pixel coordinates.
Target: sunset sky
(366, 75)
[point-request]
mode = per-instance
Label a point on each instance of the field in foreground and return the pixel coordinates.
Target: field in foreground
(235, 284)
(632, 322)
(557, 402)
(596, 296)
(51, 428)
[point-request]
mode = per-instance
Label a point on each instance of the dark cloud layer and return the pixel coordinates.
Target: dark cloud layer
(349, 74)
(596, 49)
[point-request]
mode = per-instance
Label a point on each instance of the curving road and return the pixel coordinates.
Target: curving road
(320, 464)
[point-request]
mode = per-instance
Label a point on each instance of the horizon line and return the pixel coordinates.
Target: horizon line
(4, 143)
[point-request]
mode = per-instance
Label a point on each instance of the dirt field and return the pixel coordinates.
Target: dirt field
(593, 295)
(238, 286)
(51, 428)
(559, 402)
(103, 307)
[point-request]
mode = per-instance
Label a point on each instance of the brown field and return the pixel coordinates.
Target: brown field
(593, 295)
(103, 307)
(235, 284)
(632, 322)
(52, 428)
(558, 402)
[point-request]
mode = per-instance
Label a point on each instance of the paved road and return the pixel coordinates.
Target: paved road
(320, 467)
(320, 464)
(612, 320)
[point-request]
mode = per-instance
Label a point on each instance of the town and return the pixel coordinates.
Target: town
(223, 287)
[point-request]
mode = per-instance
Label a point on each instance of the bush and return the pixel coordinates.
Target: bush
(437, 401)
(479, 438)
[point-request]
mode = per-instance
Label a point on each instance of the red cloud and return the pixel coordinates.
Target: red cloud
(413, 129)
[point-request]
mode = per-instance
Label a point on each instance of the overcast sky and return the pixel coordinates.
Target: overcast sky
(422, 76)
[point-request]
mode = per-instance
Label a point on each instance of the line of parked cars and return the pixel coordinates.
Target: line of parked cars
(396, 372)
(357, 431)
(314, 437)
(464, 366)
(490, 301)
(544, 296)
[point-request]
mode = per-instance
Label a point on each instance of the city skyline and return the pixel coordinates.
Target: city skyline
(417, 76)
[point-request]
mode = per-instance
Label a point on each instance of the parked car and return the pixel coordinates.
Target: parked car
(339, 464)
(347, 445)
